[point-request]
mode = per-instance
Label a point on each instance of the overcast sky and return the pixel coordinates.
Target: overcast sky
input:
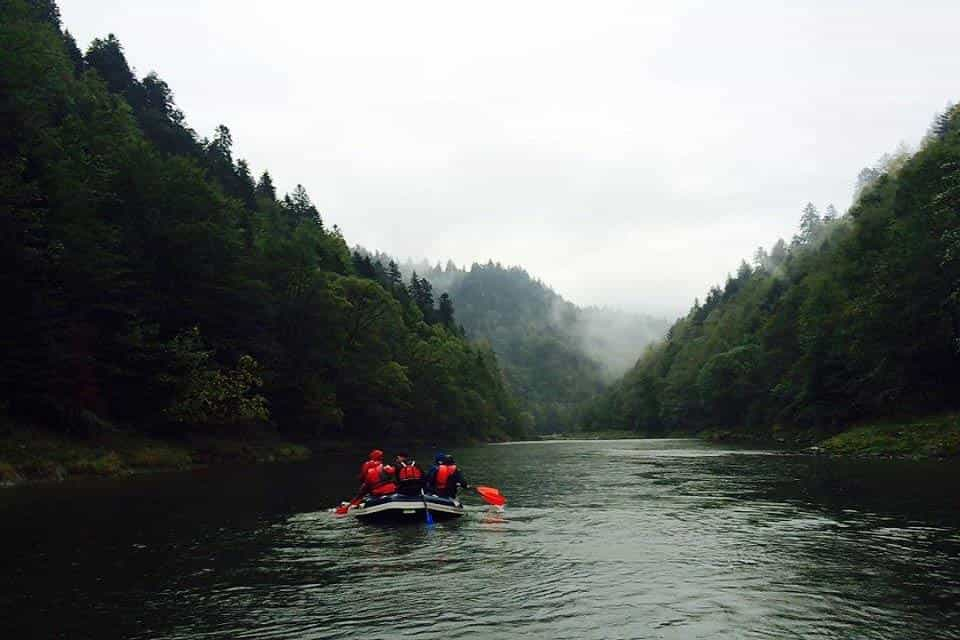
(627, 153)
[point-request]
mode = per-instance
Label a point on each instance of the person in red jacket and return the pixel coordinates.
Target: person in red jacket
(379, 480)
(409, 475)
(373, 459)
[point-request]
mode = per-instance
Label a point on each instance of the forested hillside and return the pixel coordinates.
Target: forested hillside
(857, 317)
(150, 281)
(556, 356)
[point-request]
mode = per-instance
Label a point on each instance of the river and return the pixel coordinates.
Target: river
(600, 539)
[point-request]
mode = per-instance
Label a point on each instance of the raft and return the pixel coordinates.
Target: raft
(399, 508)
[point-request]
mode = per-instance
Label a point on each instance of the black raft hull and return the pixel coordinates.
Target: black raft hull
(400, 508)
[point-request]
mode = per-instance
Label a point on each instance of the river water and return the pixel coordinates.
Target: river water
(600, 539)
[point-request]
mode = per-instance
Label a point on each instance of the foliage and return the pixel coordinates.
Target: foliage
(858, 317)
(556, 356)
(124, 238)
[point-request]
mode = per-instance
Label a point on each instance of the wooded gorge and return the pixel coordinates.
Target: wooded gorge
(857, 317)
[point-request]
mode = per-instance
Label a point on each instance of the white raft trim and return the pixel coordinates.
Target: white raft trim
(415, 504)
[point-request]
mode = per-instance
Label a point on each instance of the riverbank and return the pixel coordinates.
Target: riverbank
(29, 454)
(928, 437)
(935, 437)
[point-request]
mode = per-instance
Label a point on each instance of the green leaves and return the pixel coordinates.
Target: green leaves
(124, 237)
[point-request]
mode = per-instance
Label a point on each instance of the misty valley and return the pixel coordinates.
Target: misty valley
(197, 357)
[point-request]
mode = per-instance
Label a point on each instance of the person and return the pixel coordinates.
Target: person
(429, 481)
(409, 475)
(446, 478)
(374, 458)
(378, 480)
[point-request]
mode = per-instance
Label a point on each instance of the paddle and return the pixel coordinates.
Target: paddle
(426, 508)
(491, 495)
(342, 509)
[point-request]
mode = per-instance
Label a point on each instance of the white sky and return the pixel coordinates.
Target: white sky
(627, 153)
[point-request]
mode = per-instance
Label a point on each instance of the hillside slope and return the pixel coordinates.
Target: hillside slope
(151, 282)
(556, 356)
(857, 318)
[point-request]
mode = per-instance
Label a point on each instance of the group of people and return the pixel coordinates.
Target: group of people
(406, 477)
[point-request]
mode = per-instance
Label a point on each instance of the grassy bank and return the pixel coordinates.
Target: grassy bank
(936, 437)
(30, 454)
(930, 437)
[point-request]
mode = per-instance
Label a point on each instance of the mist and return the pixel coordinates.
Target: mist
(625, 152)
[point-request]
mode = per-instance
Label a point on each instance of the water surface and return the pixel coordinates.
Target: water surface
(600, 539)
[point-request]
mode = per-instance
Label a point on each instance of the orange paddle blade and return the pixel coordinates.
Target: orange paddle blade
(492, 496)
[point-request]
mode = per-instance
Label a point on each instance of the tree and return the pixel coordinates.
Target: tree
(760, 258)
(445, 312)
(778, 253)
(866, 177)
(265, 188)
(943, 122)
(207, 395)
(106, 57)
(830, 215)
(300, 208)
(76, 57)
(811, 226)
(393, 275)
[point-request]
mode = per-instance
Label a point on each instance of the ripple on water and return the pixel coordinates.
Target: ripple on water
(667, 539)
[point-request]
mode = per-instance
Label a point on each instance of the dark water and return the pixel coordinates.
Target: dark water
(609, 539)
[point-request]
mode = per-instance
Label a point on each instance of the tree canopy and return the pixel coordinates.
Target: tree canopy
(150, 281)
(858, 317)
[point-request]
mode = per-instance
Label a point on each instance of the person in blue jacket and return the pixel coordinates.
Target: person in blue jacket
(444, 478)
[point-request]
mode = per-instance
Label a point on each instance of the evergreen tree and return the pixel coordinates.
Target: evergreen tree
(106, 56)
(830, 215)
(445, 311)
(393, 275)
(265, 188)
(73, 51)
(810, 226)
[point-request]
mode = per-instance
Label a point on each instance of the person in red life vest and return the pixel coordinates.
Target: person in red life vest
(379, 480)
(374, 458)
(444, 478)
(409, 475)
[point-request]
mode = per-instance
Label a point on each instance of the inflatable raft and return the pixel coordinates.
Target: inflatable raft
(396, 507)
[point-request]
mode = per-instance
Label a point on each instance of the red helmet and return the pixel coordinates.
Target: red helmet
(376, 454)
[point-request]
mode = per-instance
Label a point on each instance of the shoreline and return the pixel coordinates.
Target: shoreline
(934, 437)
(32, 455)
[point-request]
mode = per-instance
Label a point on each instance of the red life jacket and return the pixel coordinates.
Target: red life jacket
(379, 480)
(366, 466)
(444, 472)
(409, 471)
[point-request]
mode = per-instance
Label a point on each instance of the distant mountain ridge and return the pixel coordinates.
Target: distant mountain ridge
(556, 355)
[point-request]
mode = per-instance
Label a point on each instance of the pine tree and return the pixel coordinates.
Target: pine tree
(301, 209)
(393, 275)
(106, 56)
(265, 188)
(810, 226)
(830, 215)
(778, 253)
(73, 51)
(445, 312)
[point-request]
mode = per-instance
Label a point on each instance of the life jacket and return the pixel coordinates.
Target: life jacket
(366, 466)
(444, 473)
(375, 458)
(409, 471)
(379, 480)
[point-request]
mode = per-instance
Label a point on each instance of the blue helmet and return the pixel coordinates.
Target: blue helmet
(437, 459)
